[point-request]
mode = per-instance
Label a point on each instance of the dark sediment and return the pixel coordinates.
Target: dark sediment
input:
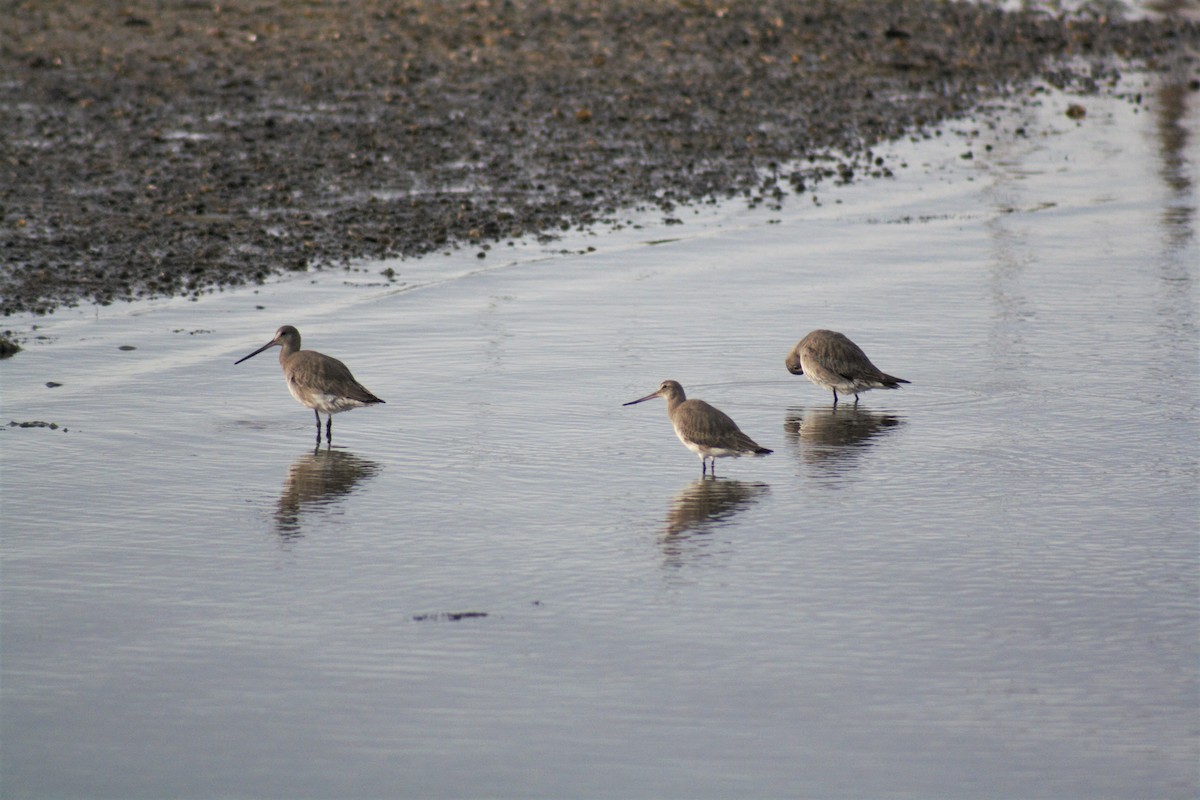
(171, 148)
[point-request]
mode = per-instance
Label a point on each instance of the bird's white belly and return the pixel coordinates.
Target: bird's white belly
(705, 451)
(322, 401)
(829, 380)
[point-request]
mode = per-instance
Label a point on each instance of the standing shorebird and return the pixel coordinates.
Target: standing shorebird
(316, 380)
(706, 431)
(832, 361)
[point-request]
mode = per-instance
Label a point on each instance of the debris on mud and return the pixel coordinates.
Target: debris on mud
(37, 423)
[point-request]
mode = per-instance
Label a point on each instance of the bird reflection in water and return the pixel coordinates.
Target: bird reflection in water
(832, 439)
(316, 481)
(700, 507)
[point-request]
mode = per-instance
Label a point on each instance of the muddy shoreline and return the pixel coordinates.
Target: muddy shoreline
(170, 149)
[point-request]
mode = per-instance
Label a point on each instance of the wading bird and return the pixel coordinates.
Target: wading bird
(316, 380)
(706, 431)
(832, 361)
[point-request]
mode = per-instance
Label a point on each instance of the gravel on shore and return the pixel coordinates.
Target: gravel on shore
(173, 147)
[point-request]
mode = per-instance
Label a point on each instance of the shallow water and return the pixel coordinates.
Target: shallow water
(502, 583)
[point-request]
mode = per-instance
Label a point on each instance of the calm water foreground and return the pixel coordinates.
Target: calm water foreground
(504, 584)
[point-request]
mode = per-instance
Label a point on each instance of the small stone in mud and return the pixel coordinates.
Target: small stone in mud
(52, 384)
(8, 347)
(127, 347)
(1076, 111)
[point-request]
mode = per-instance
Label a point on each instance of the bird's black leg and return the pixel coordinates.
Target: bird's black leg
(317, 414)
(329, 429)
(855, 399)
(835, 397)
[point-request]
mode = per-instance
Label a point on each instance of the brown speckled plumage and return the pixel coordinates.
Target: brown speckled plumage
(317, 381)
(705, 430)
(832, 361)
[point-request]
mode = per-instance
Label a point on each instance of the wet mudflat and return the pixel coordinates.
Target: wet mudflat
(156, 149)
(502, 583)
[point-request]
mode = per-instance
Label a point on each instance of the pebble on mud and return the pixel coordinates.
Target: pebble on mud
(8, 346)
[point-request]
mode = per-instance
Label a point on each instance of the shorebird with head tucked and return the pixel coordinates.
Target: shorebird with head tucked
(832, 361)
(706, 431)
(316, 380)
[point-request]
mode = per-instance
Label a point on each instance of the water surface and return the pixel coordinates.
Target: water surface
(502, 583)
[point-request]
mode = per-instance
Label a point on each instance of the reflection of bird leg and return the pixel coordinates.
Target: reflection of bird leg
(316, 480)
(831, 437)
(706, 502)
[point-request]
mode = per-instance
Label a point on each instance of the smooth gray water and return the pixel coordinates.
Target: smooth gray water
(504, 584)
